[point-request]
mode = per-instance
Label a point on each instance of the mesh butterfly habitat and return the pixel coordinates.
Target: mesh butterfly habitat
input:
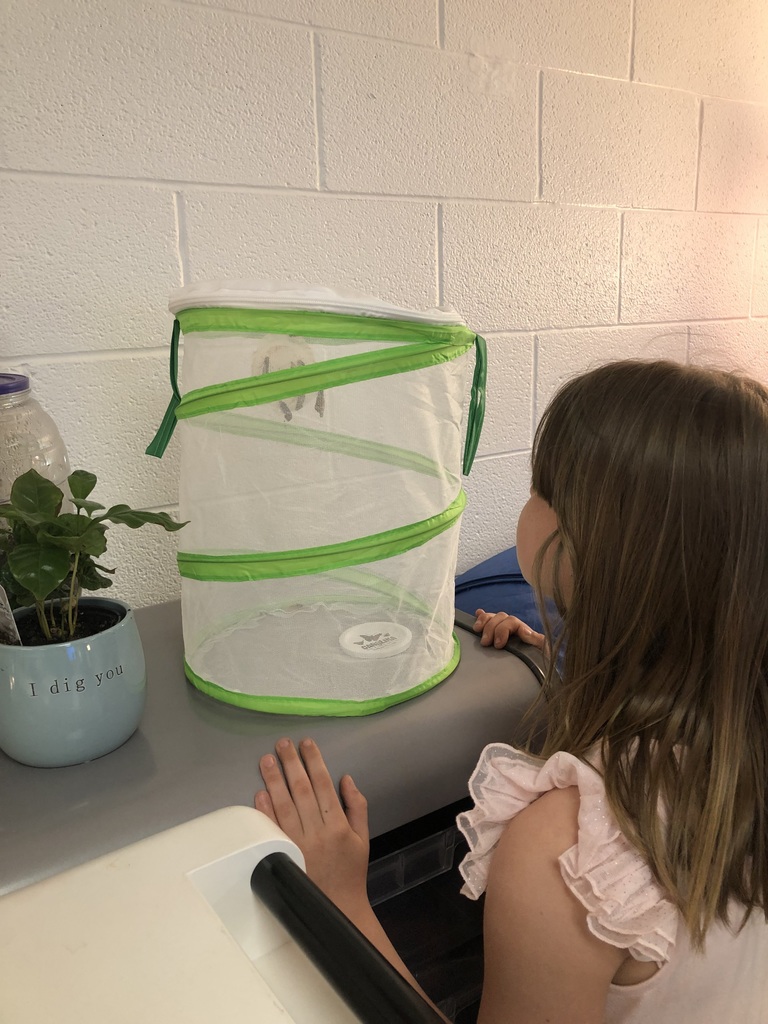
(321, 464)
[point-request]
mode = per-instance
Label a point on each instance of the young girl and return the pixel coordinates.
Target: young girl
(625, 864)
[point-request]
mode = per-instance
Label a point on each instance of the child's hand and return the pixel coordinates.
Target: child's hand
(498, 627)
(301, 799)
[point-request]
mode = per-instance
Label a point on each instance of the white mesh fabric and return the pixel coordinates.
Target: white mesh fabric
(281, 637)
(250, 493)
(326, 468)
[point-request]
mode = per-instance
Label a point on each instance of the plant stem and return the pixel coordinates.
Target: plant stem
(40, 609)
(71, 610)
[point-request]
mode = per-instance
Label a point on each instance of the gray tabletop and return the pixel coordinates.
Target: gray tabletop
(192, 754)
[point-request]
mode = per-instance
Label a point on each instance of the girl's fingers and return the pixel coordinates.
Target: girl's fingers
(356, 807)
(497, 629)
(263, 802)
(530, 636)
(480, 617)
(320, 779)
(300, 798)
(493, 629)
(301, 790)
(281, 802)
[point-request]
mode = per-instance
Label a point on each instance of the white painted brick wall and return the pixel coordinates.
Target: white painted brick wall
(472, 133)
(85, 266)
(760, 285)
(740, 345)
(728, 184)
(379, 248)
(530, 265)
(546, 33)
(496, 491)
(509, 395)
(564, 354)
(411, 20)
(676, 266)
(584, 181)
(151, 90)
(608, 143)
(710, 47)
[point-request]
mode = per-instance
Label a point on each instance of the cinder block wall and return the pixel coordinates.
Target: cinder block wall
(581, 180)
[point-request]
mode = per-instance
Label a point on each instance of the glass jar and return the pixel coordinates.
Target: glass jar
(29, 439)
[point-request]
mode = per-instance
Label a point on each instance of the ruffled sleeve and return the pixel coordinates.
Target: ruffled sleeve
(625, 905)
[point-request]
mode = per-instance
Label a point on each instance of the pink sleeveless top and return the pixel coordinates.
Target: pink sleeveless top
(626, 907)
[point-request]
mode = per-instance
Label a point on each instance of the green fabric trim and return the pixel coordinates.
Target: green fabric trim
(315, 706)
(308, 324)
(246, 566)
(159, 442)
(303, 380)
(322, 440)
(476, 406)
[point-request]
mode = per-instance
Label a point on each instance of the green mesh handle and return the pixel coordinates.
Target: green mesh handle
(476, 405)
(165, 431)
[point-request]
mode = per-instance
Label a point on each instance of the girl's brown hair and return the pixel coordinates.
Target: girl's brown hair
(658, 475)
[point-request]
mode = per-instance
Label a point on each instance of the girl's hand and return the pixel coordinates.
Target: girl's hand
(301, 799)
(498, 627)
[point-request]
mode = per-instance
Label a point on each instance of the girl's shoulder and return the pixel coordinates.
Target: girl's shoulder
(625, 905)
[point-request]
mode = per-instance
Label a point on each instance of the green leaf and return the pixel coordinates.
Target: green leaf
(114, 509)
(33, 495)
(25, 534)
(81, 484)
(76, 534)
(15, 515)
(89, 578)
(39, 568)
(134, 518)
(89, 507)
(18, 596)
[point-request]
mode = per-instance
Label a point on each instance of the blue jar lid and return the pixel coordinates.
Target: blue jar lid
(13, 383)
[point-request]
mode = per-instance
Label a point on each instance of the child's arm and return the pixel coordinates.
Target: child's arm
(301, 799)
(498, 627)
(542, 964)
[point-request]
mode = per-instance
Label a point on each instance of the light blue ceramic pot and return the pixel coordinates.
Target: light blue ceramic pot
(65, 703)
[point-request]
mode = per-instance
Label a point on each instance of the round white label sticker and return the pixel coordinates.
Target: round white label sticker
(375, 640)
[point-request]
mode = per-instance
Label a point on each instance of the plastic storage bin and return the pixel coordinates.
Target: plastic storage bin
(29, 439)
(321, 477)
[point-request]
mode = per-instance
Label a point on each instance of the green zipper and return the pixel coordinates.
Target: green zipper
(303, 380)
(316, 324)
(247, 566)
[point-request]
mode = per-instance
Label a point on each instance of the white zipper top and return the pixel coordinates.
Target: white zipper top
(288, 295)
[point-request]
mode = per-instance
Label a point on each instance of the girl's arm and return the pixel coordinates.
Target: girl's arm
(542, 964)
(301, 799)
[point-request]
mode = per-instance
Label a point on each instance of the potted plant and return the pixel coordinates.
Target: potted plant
(72, 675)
